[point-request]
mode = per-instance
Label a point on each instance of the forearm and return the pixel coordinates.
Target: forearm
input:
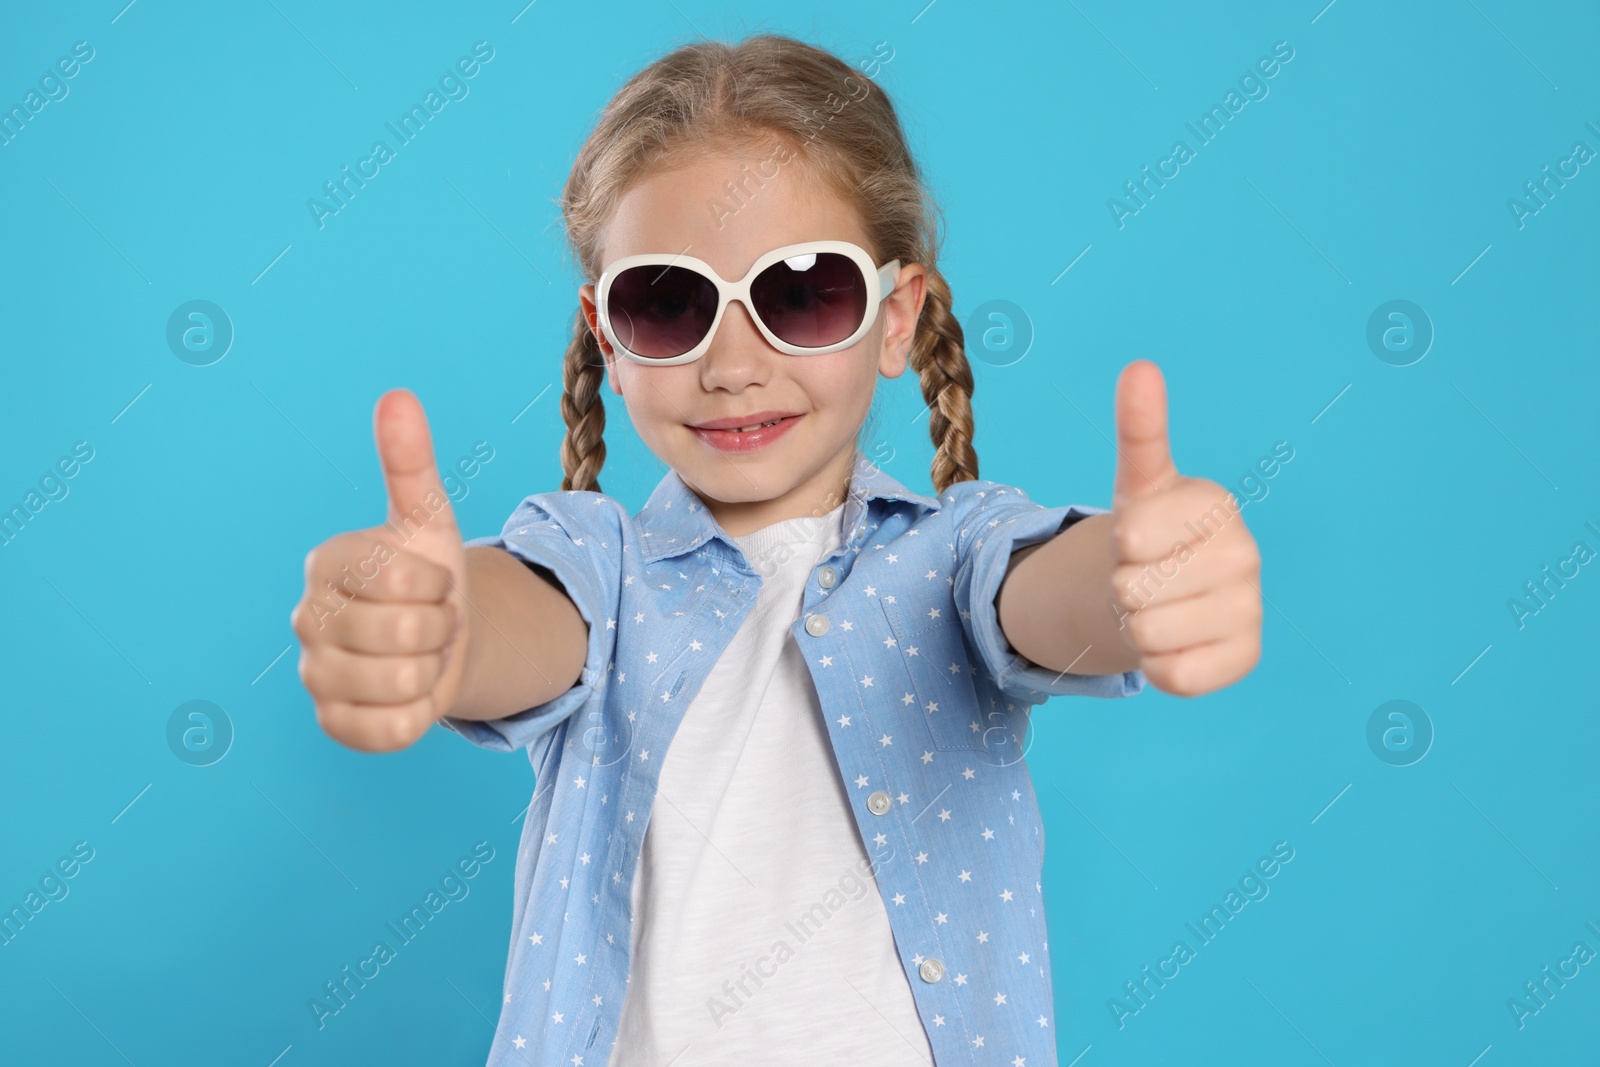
(527, 642)
(1055, 605)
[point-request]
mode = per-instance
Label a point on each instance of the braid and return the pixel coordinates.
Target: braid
(583, 449)
(939, 358)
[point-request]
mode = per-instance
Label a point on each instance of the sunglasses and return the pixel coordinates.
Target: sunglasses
(806, 299)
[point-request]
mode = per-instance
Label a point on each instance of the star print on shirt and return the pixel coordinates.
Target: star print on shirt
(676, 586)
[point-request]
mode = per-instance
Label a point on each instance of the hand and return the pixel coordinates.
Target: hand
(1186, 569)
(383, 625)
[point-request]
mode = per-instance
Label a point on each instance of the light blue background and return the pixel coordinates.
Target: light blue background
(1378, 168)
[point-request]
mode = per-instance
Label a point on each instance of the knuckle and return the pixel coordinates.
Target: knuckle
(324, 717)
(1229, 558)
(1158, 672)
(1124, 539)
(1175, 675)
(1254, 611)
(404, 676)
(408, 630)
(309, 675)
(396, 730)
(402, 581)
(1122, 585)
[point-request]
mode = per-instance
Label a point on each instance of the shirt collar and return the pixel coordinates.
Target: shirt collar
(674, 521)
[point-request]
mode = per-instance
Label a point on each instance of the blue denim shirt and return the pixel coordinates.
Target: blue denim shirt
(926, 703)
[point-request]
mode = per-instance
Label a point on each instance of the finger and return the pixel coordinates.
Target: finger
(367, 565)
(381, 628)
(419, 510)
(1228, 558)
(377, 727)
(333, 673)
(1215, 616)
(1144, 457)
(1203, 668)
(1191, 512)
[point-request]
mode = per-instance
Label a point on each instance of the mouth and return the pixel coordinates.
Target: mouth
(750, 433)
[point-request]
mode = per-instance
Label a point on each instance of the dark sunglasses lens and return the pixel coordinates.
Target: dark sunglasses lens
(660, 312)
(811, 300)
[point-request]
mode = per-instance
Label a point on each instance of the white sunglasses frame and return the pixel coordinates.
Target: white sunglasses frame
(880, 282)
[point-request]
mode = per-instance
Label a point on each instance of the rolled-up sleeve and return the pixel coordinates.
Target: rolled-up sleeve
(577, 537)
(993, 521)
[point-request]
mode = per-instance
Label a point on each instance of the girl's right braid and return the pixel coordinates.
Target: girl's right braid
(583, 449)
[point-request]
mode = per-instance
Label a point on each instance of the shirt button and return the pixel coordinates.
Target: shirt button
(878, 803)
(931, 970)
(817, 625)
(827, 577)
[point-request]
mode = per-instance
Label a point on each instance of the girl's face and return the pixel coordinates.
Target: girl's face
(805, 471)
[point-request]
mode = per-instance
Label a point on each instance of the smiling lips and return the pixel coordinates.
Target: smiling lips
(745, 433)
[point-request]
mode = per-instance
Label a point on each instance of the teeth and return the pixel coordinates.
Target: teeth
(747, 429)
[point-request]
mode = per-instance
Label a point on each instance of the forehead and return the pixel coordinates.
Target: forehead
(729, 209)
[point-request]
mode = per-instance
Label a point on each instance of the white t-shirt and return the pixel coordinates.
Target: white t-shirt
(742, 952)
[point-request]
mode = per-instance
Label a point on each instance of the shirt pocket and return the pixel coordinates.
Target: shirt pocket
(930, 663)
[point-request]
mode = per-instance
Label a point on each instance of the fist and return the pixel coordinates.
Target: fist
(1186, 570)
(383, 625)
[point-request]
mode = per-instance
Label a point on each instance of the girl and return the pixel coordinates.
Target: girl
(781, 812)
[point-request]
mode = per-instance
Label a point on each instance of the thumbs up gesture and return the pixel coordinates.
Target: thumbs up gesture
(383, 622)
(1186, 571)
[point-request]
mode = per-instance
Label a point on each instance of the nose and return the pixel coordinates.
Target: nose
(739, 355)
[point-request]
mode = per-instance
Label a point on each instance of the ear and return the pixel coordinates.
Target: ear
(901, 311)
(591, 315)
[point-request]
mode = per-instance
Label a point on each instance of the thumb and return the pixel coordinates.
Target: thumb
(420, 515)
(1144, 456)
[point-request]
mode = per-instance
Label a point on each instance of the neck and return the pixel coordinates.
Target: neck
(814, 497)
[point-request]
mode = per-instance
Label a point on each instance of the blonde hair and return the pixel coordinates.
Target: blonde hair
(710, 95)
